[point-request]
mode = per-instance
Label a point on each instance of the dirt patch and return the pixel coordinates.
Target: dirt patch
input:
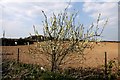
(92, 58)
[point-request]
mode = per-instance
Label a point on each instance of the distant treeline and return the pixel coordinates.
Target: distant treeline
(111, 41)
(30, 40)
(20, 41)
(14, 42)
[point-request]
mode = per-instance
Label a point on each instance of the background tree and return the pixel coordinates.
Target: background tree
(63, 36)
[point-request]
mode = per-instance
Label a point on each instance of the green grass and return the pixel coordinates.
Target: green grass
(11, 70)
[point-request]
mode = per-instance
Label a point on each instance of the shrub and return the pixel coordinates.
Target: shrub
(20, 71)
(56, 76)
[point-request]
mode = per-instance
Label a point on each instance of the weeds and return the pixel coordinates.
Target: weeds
(20, 71)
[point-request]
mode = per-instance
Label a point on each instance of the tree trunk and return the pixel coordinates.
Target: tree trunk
(53, 63)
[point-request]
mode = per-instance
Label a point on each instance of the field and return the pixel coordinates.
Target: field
(92, 58)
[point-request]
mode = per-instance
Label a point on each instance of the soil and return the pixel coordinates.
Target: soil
(92, 58)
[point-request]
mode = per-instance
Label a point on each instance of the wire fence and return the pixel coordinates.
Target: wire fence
(18, 59)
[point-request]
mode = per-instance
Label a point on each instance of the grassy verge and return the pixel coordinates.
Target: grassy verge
(11, 70)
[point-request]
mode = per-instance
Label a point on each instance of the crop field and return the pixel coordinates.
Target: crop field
(91, 58)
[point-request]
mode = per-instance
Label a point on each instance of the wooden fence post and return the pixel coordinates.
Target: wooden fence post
(118, 55)
(18, 56)
(106, 76)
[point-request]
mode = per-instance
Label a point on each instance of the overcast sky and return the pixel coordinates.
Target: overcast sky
(18, 17)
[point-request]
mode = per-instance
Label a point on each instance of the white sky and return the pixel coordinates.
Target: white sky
(17, 18)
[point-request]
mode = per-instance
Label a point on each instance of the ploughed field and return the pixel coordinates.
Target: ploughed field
(91, 58)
